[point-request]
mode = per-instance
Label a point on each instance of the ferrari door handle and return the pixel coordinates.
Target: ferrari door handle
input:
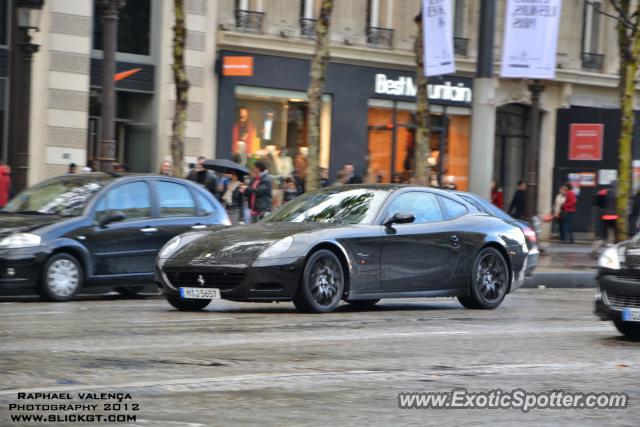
(454, 240)
(198, 227)
(149, 230)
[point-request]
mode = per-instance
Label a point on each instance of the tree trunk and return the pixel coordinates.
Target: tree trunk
(182, 90)
(314, 92)
(629, 45)
(421, 170)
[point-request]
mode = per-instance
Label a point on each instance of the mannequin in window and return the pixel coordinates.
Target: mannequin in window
(268, 127)
(244, 131)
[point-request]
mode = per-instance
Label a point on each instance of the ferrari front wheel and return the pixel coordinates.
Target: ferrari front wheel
(322, 284)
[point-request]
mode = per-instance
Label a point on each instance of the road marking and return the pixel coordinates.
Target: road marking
(36, 313)
(202, 319)
(267, 380)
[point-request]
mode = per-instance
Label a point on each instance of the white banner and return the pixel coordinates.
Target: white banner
(531, 39)
(438, 37)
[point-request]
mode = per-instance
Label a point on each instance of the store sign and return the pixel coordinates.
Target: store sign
(237, 66)
(437, 32)
(531, 39)
(585, 141)
(447, 90)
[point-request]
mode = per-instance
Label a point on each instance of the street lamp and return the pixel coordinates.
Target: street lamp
(26, 22)
(110, 16)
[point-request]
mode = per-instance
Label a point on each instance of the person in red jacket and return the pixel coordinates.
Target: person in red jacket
(568, 210)
(5, 185)
(497, 196)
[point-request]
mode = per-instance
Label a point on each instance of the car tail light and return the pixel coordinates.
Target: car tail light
(530, 235)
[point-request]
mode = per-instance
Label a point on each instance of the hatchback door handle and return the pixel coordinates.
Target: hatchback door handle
(198, 227)
(149, 230)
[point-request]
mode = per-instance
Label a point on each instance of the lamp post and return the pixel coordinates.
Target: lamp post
(26, 21)
(536, 89)
(110, 16)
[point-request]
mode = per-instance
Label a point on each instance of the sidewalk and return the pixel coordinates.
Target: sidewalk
(564, 266)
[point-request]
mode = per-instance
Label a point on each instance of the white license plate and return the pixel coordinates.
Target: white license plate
(631, 314)
(200, 293)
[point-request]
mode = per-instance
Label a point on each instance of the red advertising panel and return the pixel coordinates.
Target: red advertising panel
(585, 141)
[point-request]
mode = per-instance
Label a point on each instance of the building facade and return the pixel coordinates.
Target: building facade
(370, 91)
(248, 64)
(66, 83)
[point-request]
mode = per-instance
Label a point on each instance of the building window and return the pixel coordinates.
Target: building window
(4, 22)
(271, 125)
(309, 12)
(380, 23)
(249, 15)
(591, 57)
(134, 28)
(460, 42)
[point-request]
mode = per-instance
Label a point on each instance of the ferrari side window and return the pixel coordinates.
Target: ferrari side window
(453, 209)
(424, 206)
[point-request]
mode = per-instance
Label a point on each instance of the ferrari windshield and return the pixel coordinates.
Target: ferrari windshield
(65, 196)
(336, 205)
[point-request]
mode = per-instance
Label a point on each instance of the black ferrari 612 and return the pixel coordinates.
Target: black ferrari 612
(354, 243)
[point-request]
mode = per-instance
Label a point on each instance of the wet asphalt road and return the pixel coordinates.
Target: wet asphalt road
(265, 364)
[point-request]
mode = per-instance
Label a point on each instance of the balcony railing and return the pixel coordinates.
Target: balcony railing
(249, 20)
(308, 27)
(592, 61)
(460, 46)
(380, 37)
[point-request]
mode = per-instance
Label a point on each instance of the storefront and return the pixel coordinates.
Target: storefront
(587, 156)
(367, 117)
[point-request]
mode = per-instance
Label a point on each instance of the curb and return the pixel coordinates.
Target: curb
(568, 279)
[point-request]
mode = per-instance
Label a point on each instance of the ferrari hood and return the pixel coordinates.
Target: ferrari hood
(237, 245)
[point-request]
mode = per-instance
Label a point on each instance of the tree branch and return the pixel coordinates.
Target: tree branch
(621, 17)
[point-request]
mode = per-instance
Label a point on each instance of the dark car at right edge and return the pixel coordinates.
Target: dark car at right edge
(618, 296)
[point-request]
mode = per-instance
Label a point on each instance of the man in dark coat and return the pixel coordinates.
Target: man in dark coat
(258, 193)
(518, 206)
(352, 177)
(204, 177)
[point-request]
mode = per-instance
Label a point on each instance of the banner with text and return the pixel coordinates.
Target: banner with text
(438, 37)
(531, 39)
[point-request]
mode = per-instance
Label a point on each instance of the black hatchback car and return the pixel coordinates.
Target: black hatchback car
(618, 297)
(97, 229)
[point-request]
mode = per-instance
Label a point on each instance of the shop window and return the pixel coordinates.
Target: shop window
(391, 143)
(134, 28)
(272, 125)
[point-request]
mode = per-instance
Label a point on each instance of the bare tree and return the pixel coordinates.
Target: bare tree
(314, 92)
(423, 132)
(182, 90)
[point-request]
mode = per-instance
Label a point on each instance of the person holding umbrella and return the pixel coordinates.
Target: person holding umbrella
(202, 176)
(233, 194)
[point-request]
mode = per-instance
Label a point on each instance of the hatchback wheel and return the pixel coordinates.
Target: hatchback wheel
(489, 280)
(628, 329)
(61, 278)
(187, 304)
(322, 284)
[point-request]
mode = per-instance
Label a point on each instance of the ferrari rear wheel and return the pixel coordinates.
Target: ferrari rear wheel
(322, 284)
(489, 280)
(188, 304)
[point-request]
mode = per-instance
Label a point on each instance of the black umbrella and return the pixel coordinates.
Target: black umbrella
(225, 166)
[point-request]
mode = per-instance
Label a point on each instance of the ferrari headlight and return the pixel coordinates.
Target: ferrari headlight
(20, 240)
(610, 259)
(278, 248)
(171, 246)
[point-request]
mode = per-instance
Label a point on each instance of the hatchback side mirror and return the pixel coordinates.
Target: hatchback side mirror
(400, 218)
(115, 216)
